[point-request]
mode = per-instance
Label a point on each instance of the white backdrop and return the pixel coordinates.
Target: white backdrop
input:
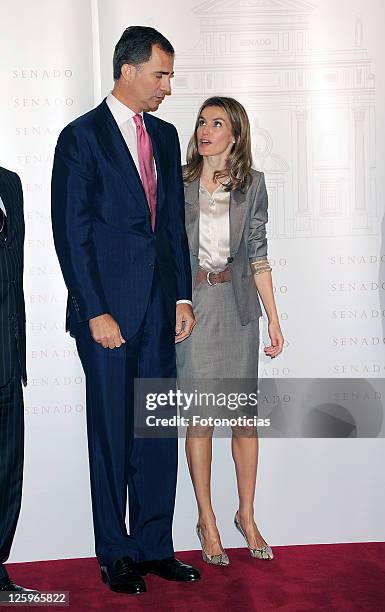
(311, 78)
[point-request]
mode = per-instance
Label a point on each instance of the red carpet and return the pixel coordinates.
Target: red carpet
(332, 577)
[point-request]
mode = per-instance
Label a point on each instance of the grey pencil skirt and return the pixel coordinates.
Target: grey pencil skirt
(220, 348)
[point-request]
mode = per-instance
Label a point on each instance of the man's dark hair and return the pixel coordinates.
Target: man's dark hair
(135, 46)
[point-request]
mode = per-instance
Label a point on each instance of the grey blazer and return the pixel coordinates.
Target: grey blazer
(248, 218)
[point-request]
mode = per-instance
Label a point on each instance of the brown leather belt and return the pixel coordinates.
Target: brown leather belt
(213, 278)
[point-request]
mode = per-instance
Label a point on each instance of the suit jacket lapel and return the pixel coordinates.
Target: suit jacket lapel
(113, 142)
(9, 202)
(238, 212)
(191, 193)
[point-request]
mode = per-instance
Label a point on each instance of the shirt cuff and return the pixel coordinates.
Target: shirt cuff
(184, 302)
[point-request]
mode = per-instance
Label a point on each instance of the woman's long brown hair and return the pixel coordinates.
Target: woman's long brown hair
(236, 174)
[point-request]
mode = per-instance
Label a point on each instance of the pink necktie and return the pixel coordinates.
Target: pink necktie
(146, 165)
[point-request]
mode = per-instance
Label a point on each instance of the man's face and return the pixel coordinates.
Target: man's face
(151, 81)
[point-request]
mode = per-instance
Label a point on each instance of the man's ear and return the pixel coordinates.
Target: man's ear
(127, 72)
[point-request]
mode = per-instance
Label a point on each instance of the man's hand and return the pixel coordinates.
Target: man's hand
(185, 322)
(105, 331)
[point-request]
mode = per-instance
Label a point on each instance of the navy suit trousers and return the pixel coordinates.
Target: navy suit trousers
(11, 459)
(120, 462)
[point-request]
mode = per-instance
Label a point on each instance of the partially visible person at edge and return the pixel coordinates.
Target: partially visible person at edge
(226, 214)
(12, 365)
(118, 225)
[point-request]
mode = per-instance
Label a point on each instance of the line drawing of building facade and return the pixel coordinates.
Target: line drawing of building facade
(312, 112)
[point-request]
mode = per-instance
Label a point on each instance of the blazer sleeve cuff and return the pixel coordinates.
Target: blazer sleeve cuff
(85, 314)
(260, 265)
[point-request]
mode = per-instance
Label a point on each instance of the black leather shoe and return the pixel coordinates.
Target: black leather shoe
(169, 569)
(6, 584)
(123, 577)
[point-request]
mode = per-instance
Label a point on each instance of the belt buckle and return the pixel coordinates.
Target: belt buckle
(208, 279)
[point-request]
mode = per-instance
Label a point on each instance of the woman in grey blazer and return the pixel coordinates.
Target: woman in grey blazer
(226, 215)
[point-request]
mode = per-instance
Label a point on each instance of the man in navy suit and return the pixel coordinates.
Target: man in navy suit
(118, 223)
(12, 365)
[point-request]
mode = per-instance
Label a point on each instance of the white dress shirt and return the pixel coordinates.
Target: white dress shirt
(3, 207)
(124, 118)
(214, 228)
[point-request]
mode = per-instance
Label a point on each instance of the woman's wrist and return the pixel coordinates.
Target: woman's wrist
(273, 320)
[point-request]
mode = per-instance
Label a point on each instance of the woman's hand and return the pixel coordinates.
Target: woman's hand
(276, 338)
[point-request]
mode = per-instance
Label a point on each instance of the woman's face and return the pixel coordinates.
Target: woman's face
(214, 132)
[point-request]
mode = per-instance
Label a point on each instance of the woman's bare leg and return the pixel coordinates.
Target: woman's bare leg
(244, 445)
(199, 456)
